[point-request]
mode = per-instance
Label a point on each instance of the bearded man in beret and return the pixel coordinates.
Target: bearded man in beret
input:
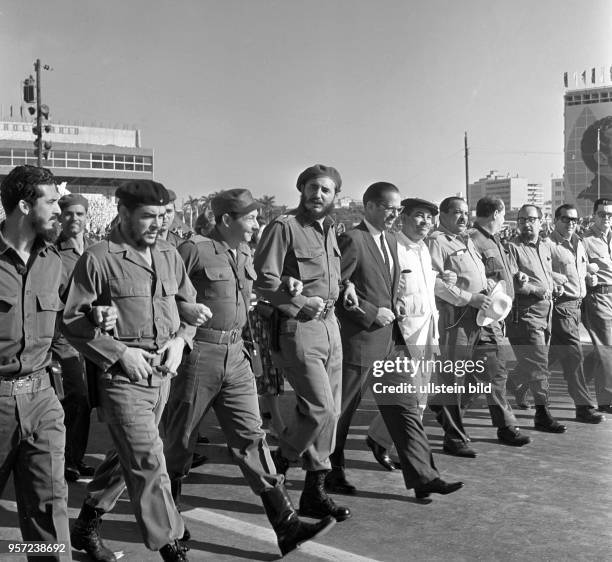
(303, 245)
(144, 279)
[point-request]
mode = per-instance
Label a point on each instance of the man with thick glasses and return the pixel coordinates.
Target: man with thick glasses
(569, 259)
(598, 301)
(530, 325)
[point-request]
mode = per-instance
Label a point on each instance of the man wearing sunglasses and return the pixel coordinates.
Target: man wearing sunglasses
(598, 301)
(569, 259)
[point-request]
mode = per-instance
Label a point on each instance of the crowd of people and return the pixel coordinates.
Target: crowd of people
(154, 324)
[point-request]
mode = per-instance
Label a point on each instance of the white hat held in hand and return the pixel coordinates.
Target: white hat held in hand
(500, 307)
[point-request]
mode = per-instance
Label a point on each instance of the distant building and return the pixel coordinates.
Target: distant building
(347, 202)
(514, 191)
(582, 108)
(88, 159)
(557, 193)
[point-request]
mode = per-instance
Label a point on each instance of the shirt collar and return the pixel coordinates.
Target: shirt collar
(372, 229)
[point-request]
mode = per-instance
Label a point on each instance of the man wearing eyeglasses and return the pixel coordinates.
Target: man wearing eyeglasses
(370, 333)
(569, 259)
(529, 329)
(598, 301)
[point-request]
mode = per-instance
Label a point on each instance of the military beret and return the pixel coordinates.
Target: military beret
(72, 199)
(142, 192)
(238, 201)
(413, 202)
(171, 195)
(319, 171)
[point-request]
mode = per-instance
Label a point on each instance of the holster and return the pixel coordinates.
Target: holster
(55, 374)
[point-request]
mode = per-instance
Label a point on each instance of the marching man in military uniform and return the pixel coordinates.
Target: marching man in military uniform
(32, 433)
(218, 373)
(145, 280)
(303, 245)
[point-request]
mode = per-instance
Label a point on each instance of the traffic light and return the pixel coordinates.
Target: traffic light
(29, 90)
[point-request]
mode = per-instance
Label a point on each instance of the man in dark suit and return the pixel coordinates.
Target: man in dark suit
(370, 334)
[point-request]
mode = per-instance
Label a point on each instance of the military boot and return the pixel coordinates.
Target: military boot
(85, 535)
(315, 502)
(174, 552)
(290, 531)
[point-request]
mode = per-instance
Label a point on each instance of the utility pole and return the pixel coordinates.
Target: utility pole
(467, 174)
(38, 115)
(41, 111)
(598, 163)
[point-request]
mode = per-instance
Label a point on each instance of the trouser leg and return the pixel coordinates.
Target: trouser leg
(40, 488)
(237, 410)
(132, 413)
(354, 378)
(76, 408)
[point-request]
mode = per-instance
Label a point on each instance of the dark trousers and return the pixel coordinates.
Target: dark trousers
(32, 440)
(77, 411)
(565, 346)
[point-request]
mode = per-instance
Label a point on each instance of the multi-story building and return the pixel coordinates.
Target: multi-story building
(583, 107)
(88, 159)
(557, 192)
(514, 191)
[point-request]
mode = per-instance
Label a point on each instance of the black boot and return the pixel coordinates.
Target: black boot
(315, 502)
(290, 531)
(85, 535)
(175, 487)
(544, 421)
(174, 552)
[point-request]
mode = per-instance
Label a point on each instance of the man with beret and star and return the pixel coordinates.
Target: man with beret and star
(218, 372)
(303, 245)
(71, 244)
(145, 280)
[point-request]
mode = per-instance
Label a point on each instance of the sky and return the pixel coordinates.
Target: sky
(248, 93)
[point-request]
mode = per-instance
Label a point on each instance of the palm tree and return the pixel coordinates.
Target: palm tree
(267, 206)
(191, 206)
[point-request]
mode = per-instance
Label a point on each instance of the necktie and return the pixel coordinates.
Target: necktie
(385, 253)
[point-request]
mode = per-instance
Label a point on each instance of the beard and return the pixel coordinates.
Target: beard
(47, 233)
(315, 214)
(136, 236)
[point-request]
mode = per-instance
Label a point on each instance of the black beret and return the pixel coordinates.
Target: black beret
(413, 202)
(142, 192)
(239, 201)
(72, 199)
(319, 171)
(171, 195)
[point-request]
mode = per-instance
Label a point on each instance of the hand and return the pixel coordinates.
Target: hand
(195, 314)
(294, 286)
(104, 317)
(558, 291)
(491, 284)
(384, 316)
(134, 363)
(521, 278)
(174, 355)
(350, 300)
(313, 307)
(480, 301)
(591, 280)
(449, 277)
(541, 293)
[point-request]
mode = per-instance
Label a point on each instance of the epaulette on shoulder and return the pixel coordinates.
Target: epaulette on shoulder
(283, 218)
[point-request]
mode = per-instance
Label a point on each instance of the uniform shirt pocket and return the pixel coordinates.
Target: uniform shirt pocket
(220, 281)
(311, 262)
(47, 307)
(133, 303)
(8, 320)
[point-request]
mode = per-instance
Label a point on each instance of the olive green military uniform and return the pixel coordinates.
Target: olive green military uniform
(310, 353)
(32, 433)
(145, 296)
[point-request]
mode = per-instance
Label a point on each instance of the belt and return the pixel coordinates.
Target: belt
(25, 385)
(568, 300)
(327, 310)
(218, 336)
(532, 299)
(600, 289)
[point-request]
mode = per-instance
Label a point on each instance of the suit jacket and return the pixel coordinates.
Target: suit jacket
(361, 261)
